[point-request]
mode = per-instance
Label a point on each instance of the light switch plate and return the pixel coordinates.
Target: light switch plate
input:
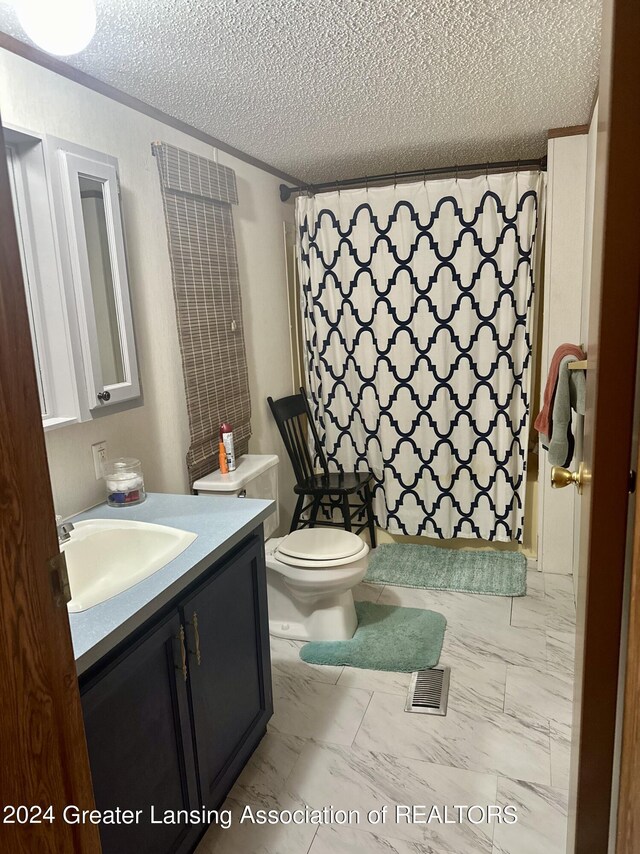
(99, 451)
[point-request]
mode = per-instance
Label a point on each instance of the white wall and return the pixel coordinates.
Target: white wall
(562, 316)
(592, 139)
(36, 99)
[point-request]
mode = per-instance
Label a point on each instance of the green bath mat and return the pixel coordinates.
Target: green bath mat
(408, 565)
(387, 638)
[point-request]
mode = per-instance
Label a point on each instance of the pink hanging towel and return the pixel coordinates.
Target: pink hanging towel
(543, 421)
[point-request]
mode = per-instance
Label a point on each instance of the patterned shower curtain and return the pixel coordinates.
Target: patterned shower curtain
(417, 305)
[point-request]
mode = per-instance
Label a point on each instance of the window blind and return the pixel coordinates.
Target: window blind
(198, 195)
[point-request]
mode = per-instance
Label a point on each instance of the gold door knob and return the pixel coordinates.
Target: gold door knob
(561, 477)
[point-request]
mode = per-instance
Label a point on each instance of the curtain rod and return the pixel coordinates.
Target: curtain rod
(504, 165)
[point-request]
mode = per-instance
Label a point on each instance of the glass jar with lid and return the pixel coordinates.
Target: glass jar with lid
(124, 482)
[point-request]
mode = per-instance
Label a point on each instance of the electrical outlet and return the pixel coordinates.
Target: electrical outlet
(99, 451)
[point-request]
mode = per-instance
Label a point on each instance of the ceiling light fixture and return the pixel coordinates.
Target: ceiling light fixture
(61, 27)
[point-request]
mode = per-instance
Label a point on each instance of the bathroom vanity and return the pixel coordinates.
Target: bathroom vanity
(175, 673)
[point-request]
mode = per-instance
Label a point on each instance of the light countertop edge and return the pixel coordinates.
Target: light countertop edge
(220, 523)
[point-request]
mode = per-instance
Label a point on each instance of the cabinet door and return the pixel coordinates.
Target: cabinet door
(96, 260)
(140, 747)
(230, 669)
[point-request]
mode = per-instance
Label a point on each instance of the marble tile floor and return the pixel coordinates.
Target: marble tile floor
(340, 737)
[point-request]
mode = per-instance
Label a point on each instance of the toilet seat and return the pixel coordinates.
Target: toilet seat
(317, 548)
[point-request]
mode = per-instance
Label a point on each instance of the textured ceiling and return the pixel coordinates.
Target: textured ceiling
(340, 88)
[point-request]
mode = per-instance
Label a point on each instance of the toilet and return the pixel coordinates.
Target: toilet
(310, 575)
(310, 572)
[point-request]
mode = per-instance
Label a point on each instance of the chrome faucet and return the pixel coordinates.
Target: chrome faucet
(64, 529)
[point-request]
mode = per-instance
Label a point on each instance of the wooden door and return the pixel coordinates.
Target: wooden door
(140, 747)
(611, 376)
(628, 806)
(228, 634)
(43, 751)
(628, 809)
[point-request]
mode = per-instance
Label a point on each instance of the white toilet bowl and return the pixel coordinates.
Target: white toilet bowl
(310, 575)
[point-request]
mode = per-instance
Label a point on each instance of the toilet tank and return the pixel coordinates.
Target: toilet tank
(255, 476)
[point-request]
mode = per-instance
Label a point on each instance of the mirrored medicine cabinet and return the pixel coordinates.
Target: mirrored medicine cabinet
(70, 232)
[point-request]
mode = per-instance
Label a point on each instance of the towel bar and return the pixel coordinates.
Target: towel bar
(578, 366)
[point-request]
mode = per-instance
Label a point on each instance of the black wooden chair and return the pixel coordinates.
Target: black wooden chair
(328, 491)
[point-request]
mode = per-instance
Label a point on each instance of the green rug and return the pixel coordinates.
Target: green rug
(408, 565)
(387, 638)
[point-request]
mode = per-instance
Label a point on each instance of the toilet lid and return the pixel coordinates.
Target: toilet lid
(320, 565)
(320, 544)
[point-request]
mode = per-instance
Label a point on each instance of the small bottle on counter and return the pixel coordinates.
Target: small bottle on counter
(226, 437)
(222, 458)
(124, 482)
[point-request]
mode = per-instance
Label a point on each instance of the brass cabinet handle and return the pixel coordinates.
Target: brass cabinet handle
(183, 654)
(197, 634)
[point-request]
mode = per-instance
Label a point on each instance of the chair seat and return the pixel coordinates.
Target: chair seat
(335, 483)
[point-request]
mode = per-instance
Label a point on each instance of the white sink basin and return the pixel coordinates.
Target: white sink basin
(107, 556)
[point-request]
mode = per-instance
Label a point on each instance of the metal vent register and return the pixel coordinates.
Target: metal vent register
(429, 691)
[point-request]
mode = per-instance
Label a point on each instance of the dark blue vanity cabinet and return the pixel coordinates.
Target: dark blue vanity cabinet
(230, 689)
(172, 719)
(137, 724)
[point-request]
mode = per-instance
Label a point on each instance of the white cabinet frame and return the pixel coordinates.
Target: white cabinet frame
(44, 279)
(51, 220)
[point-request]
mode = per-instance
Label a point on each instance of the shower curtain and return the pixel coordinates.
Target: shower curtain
(417, 305)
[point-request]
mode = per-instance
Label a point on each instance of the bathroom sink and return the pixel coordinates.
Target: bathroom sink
(107, 556)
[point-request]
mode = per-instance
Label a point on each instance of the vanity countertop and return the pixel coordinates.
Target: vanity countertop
(220, 523)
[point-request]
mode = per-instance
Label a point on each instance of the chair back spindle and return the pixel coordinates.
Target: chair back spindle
(293, 417)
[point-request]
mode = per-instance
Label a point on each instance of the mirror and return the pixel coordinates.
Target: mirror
(102, 285)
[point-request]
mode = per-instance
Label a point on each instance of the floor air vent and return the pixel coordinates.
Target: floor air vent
(429, 691)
